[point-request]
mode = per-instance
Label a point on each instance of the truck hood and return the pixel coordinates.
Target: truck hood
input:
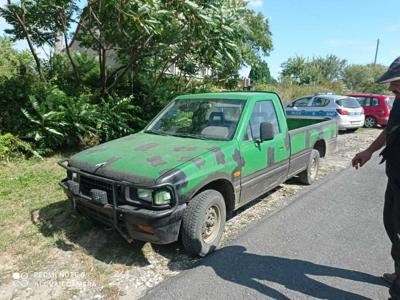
(141, 158)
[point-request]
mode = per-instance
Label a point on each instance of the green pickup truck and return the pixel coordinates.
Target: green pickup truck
(202, 156)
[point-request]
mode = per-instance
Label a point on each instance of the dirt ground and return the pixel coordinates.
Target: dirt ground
(99, 264)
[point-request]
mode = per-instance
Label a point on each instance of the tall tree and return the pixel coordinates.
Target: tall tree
(315, 70)
(361, 78)
(155, 35)
(260, 73)
(39, 23)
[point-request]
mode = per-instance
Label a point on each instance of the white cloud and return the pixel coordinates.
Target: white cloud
(252, 3)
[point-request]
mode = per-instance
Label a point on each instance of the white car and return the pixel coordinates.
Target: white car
(346, 110)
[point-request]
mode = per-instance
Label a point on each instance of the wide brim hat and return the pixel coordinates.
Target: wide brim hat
(392, 74)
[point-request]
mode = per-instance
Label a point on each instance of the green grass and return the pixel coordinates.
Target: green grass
(38, 227)
(27, 188)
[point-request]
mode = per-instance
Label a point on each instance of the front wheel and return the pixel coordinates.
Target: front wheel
(309, 175)
(203, 223)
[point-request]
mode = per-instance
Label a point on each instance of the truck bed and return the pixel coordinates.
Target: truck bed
(298, 123)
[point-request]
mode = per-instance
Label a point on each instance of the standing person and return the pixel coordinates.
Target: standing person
(390, 137)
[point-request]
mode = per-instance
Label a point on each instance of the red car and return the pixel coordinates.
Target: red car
(376, 108)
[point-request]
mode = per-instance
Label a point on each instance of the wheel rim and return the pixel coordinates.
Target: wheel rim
(369, 122)
(313, 169)
(212, 224)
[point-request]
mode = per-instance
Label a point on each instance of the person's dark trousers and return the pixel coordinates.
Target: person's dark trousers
(391, 220)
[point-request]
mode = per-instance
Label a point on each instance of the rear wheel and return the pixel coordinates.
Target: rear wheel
(309, 175)
(370, 122)
(203, 223)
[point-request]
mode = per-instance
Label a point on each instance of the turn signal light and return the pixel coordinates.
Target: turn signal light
(146, 229)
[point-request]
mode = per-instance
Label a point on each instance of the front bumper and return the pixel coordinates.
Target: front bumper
(132, 222)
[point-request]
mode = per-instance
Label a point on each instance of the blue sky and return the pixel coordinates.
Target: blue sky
(346, 28)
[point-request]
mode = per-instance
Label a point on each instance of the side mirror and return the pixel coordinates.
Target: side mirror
(266, 131)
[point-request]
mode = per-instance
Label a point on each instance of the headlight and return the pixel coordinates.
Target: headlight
(162, 198)
(155, 197)
(145, 194)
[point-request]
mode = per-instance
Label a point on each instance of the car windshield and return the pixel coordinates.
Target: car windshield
(348, 103)
(199, 118)
(389, 101)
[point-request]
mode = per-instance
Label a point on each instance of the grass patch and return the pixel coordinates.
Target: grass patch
(39, 230)
(26, 186)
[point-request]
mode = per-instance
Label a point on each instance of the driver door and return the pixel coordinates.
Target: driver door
(266, 163)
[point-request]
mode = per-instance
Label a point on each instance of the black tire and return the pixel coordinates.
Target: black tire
(352, 129)
(199, 238)
(370, 122)
(309, 175)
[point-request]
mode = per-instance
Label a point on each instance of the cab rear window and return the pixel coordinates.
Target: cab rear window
(348, 103)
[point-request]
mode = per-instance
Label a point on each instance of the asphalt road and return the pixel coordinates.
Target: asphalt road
(328, 243)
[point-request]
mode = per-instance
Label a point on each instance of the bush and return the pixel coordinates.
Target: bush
(11, 147)
(59, 121)
(289, 91)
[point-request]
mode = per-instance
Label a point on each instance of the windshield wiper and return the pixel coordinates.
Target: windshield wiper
(189, 136)
(155, 132)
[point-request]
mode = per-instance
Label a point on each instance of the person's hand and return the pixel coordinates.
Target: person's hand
(361, 158)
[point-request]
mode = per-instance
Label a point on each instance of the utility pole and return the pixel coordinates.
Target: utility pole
(376, 52)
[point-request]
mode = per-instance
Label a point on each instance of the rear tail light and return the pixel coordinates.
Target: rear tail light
(342, 111)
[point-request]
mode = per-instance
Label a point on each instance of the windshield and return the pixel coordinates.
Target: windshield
(389, 101)
(348, 103)
(199, 118)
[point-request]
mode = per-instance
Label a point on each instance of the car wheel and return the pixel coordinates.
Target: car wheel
(370, 122)
(309, 175)
(203, 223)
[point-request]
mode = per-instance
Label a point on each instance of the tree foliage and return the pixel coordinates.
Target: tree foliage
(39, 22)
(362, 78)
(260, 73)
(145, 36)
(313, 71)
(12, 62)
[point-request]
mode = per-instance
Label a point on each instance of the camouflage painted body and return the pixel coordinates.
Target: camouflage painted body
(147, 159)
(100, 180)
(189, 164)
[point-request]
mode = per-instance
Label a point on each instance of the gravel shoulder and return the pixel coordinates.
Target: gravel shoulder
(92, 263)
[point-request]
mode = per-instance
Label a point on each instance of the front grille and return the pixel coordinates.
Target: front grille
(86, 184)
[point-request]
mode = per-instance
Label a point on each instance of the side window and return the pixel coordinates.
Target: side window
(320, 102)
(369, 101)
(248, 135)
(362, 101)
(264, 111)
(374, 102)
(302, 102)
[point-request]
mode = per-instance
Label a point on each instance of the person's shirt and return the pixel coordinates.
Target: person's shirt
(392, 150)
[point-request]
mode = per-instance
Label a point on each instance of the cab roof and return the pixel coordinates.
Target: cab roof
(228, 95)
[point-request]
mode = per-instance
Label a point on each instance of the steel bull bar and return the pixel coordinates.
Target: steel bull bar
(97, 197)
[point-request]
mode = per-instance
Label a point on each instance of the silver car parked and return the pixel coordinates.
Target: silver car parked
(346, 110)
